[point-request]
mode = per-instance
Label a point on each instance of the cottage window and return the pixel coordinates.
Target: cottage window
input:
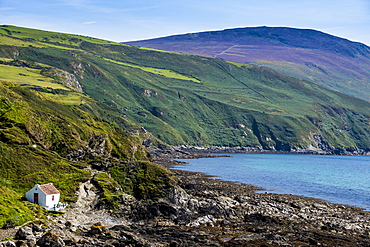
(52, 197)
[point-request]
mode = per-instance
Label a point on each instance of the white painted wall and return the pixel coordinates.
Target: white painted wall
(44, 200)
(49, 202)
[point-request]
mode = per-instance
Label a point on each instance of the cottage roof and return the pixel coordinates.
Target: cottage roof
(48, 189)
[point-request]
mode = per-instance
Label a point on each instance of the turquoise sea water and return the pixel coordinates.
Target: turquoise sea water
(338, 179)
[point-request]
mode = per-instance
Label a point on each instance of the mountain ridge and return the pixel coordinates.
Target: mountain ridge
(327, 60)
(275, 35)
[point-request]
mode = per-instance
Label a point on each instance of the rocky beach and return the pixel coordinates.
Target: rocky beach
(199, 211)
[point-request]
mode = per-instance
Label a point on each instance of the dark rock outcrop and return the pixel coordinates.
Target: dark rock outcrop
(95, 147)
(50, 239)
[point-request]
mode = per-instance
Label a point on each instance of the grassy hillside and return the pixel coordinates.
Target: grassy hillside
(194, 100)
(332, 62)
(43, 140)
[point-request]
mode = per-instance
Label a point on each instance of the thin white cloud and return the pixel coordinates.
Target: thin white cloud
(89, 22)
(6, 8)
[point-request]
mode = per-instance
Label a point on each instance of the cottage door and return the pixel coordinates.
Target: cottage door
(36, 198)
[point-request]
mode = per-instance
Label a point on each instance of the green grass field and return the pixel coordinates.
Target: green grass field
(163, 72)
(28, 76)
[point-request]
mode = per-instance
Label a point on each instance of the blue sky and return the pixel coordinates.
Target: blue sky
(142, 19)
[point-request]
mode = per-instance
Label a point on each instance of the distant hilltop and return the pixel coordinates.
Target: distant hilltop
(327, 60)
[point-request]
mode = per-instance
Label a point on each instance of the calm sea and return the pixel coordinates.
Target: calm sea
(338, 179)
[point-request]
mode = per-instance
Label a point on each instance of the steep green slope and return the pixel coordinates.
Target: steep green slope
(194, 100)
(330, 61)
(44, 141)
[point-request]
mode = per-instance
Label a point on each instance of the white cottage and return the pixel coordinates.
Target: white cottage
(45, 195)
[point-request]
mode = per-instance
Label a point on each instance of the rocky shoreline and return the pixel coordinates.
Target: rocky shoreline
(318, 151)
(200, 211)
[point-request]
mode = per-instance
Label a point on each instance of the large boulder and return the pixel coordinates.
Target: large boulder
(24, 233)
(8, 244)
(50, 239)
(98, 229)
(26, 236)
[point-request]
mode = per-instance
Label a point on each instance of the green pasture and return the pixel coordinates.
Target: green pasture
(5, 40)
(163, 72)
(28, 76)
(71, 98)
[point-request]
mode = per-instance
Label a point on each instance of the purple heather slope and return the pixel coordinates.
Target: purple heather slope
(334, 62)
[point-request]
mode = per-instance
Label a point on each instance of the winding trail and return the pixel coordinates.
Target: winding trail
(84, 211)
